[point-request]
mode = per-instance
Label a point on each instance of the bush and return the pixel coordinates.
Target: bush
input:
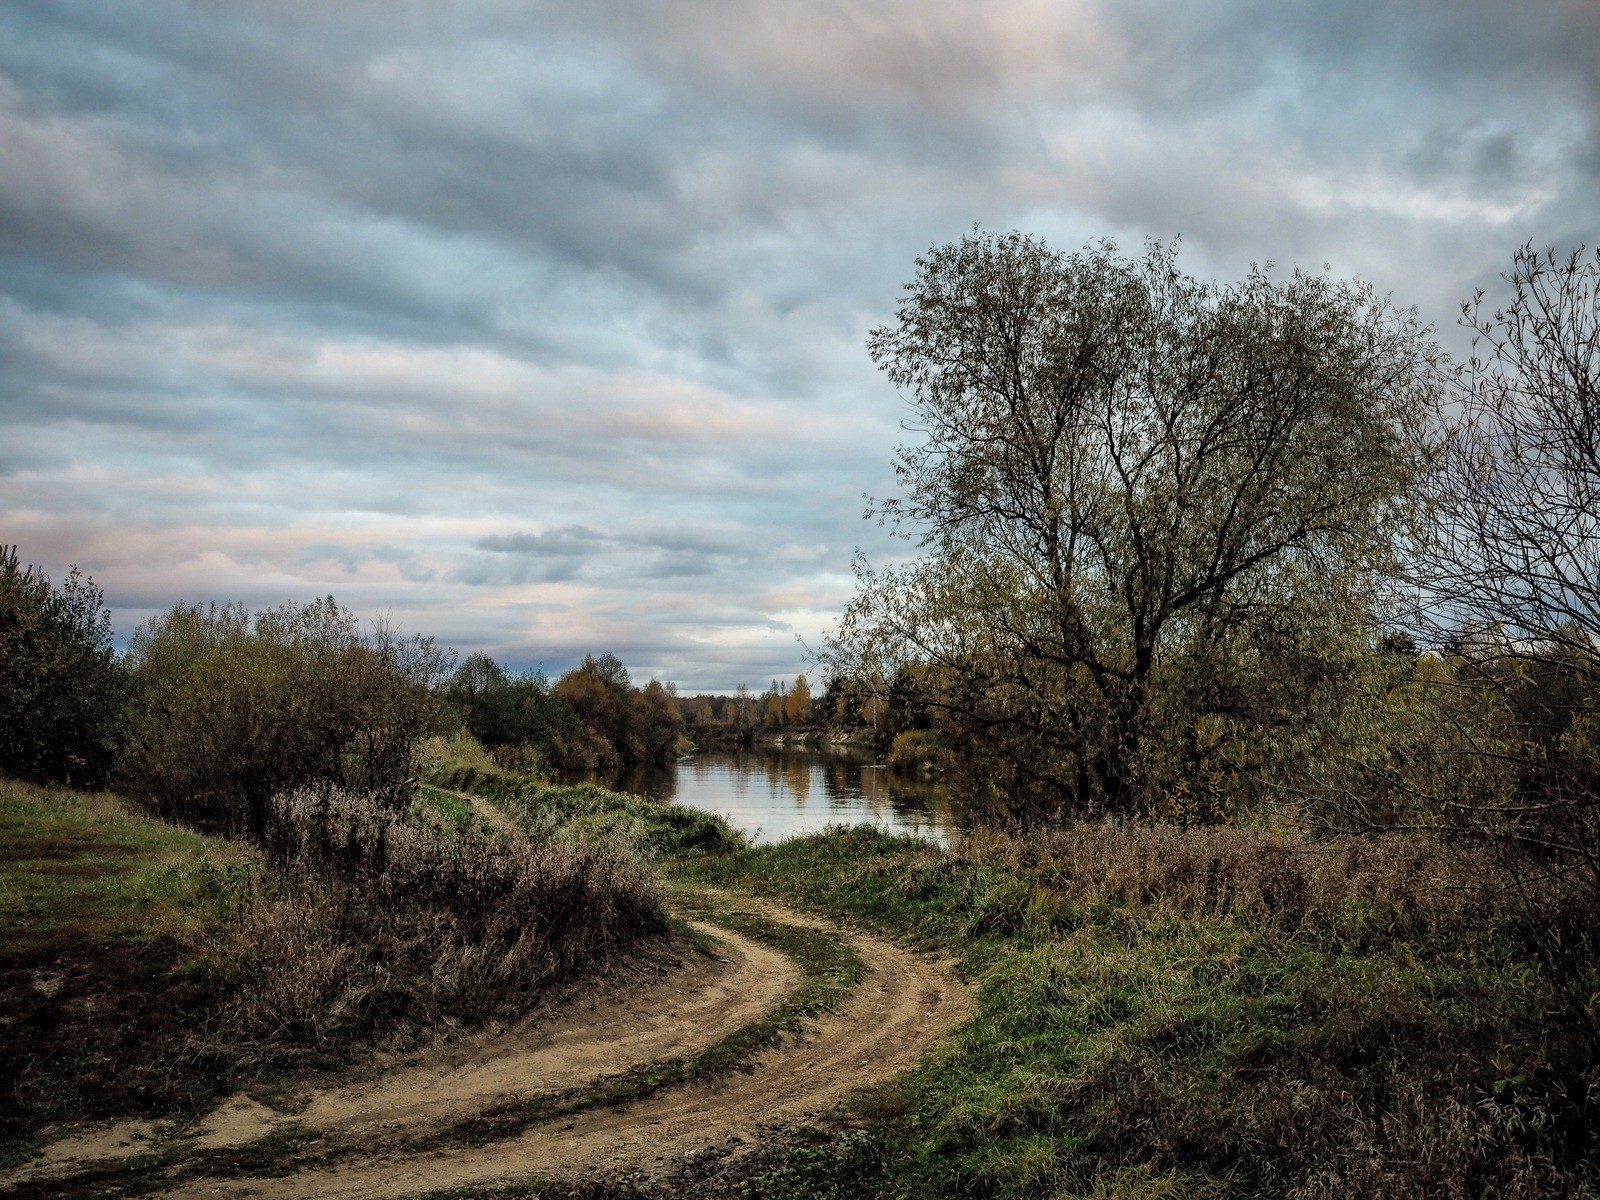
(386, 913)
(233, 711)
(919, 750)
(62, 693)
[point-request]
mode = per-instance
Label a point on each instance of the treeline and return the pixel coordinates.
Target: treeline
(781, 706)
(591, 717)
(213, 710)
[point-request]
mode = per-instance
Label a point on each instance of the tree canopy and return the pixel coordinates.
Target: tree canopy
(1131, 488)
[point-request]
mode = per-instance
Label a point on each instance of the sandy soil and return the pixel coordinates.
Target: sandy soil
(902, 1008)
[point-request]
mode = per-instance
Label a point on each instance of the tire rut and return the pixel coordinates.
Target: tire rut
(902, 1007)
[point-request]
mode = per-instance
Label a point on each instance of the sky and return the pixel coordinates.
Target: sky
(539, 327)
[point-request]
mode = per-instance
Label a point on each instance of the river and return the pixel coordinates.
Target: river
(776, 793)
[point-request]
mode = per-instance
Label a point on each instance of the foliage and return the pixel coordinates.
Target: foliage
(1153, 510)
(797, 704)
(621, 723)
(62, 692)
(232, 711)
(918, 750)
(518, 716)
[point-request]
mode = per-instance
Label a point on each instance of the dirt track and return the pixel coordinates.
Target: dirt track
(903, 1006)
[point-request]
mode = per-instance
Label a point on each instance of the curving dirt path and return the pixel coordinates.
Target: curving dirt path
(903, 1006)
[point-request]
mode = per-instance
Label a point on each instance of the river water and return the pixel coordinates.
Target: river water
(773, 794)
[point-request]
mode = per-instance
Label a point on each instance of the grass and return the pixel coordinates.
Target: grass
(98, 905)
(656, 830)
(1211, 1013)
(76, 866)
(148, 971)
(1161, 1013)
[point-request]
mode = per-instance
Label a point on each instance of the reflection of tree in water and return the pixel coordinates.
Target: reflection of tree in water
(855, 788)
(873, 785)
(797, 774)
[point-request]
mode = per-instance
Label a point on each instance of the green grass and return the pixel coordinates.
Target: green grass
(448, 808)
(96, 905)
(660, 830)
(1122, 1049)
(76, 865)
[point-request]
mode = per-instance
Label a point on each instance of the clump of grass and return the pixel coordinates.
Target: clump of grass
(468, 908)
(658, 830)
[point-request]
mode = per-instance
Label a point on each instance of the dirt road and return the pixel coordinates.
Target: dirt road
(901, 1008)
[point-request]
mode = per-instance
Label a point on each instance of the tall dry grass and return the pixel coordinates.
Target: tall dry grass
(1279, 878)
(376, 920)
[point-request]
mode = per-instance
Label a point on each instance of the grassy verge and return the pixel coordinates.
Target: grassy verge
(659, 830)
(100, 907)
(1201, 1014)
(148, 971)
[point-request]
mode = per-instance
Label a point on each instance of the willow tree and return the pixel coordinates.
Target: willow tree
(1148, 507)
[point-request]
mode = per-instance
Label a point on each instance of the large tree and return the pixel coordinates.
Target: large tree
(1147, 505)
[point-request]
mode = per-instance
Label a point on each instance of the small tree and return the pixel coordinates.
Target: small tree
(1151, 508)
(62, 691)
(797, 704)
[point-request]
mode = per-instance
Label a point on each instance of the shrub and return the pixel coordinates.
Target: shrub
(62, 693)
(919, 750)
(233, 711)
(384, 913)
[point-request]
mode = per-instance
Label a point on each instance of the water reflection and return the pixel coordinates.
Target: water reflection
(773, 794)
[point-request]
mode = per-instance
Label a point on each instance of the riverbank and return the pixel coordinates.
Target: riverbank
(717, 737)
(1205, 1012)
(1160, 1013)
(1217, 1013)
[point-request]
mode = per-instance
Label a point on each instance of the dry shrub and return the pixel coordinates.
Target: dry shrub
(1444, 1146)
(374, 923)
(1231, 871)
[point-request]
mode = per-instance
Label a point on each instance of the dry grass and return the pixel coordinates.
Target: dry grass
(376, 915)
(148, 969)
(1283, 879)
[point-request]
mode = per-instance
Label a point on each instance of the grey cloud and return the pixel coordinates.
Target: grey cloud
(572, 540)
(541, 324)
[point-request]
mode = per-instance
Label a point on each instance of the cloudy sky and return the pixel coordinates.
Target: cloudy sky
(539, 326)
